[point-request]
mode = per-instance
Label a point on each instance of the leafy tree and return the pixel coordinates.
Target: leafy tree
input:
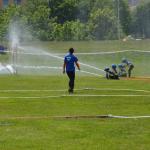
(6, 15)
(84, 9)
(141, 21)
(74, 30)
(75, 19)
(125, 16)
(103, 24)
(63, 10)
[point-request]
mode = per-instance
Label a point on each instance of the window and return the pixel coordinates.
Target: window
(17, 1)
(5, 3)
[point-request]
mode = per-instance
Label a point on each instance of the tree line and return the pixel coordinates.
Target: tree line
(66, 20)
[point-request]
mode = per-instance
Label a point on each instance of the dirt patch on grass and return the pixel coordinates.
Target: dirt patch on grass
(137, 78)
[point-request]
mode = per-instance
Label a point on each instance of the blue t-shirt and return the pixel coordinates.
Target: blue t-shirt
(70, 59)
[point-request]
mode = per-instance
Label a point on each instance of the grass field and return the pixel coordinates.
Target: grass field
(43, 52)
(139, 58)
(32, 106)
(27, 109)
(93, 46)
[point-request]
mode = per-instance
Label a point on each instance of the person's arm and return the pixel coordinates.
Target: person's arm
(64, 66)
(77, 64)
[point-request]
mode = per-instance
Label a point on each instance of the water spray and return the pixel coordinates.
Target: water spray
(14, 43)
(41, 52)
(14, 59)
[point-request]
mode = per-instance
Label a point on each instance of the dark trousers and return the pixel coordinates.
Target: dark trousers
(130, 69)
(111, 75)
(71, 75)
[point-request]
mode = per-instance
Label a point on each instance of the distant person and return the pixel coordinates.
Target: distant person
(111, 74)
(129, 65)
(2, 49)
(114, 69)
(69, 67)
(122, 70)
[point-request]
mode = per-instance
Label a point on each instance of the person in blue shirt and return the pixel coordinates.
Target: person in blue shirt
(114, 69)
(69, 67)
(122, 70)
(129, 65)
(111, 74)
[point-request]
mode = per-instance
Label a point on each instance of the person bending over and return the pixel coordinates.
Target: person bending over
(129, 65)
(111, 74)
(122, 70)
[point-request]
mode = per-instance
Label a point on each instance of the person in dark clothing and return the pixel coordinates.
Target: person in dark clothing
(111, 74)
(114, 69)
(69, 67)
(122, 70)
(129, 65)
(2, 49)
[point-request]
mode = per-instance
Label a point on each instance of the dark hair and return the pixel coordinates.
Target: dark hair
(71, 50)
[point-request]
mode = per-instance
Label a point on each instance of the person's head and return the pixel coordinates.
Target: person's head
(124, 60)
(113, 66)
(120, 66)
(71, 50)
(106, 69)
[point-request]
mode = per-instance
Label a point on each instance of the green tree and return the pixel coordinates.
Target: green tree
(67, 19)
(63, 10)
(141, 21)
(84, 9)
(125, 16)
(6, 15)
(36, 13)
(74, 30)
(103, 24)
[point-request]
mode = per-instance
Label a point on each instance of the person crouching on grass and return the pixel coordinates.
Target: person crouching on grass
(69, 67)
(111, 74)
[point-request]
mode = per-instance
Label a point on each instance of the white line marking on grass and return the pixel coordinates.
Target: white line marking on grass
(91, 73)
(128, 117)
(88, 53)
(75, 117)
(113, 52)
(83, 89)
(103, 53)
(30, 97)
(88, 95)
(61, 96)
(92, 67)
(110, 89)
(39, 67)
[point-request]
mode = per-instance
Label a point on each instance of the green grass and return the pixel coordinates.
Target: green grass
(21, 130)
(4, 58)
(92, 46)
(140, 60)
(72, 134)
